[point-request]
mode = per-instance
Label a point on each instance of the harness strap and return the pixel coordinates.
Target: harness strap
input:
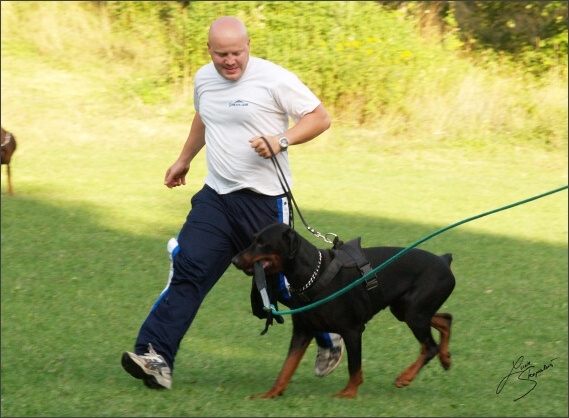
(362, 263)
(326, 277)
(346, 254)
(355, 252)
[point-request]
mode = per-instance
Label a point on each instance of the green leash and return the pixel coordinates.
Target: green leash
(399, 254)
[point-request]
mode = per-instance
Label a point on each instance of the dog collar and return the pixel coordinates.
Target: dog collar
(314, 275)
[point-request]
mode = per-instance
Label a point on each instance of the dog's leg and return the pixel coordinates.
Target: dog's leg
(353, 342)
(429, 348)
(409, 374)
(10, 191)
(298, 345)
(442, 322)
(351, 388)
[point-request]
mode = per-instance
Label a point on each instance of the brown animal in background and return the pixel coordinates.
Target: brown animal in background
(8, 148)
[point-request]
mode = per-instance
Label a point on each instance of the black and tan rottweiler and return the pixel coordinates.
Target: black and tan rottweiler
(414, 286)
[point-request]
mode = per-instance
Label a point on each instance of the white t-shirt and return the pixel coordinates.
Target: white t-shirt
(258, 103)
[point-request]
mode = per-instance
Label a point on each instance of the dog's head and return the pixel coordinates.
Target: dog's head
(273, 245)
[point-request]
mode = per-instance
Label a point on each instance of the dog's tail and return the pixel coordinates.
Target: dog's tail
(447, 257)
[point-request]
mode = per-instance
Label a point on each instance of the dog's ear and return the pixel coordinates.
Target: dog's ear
(290, 238)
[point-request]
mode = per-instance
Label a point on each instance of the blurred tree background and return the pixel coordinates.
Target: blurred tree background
(533, 33)
(448, 65)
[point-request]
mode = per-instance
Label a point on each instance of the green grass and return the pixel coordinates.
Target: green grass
(84, 257)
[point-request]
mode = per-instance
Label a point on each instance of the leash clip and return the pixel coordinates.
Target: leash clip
(324, 237)
(332, 235)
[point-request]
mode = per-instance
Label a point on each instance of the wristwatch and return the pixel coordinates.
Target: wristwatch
(283, 142)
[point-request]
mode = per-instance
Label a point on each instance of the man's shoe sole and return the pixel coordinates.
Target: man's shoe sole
(331, 369)
(136, 371)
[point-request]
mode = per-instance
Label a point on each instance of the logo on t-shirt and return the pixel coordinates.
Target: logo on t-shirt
(239, 103)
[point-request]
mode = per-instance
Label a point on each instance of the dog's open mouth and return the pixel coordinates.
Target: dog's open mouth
(266, 264)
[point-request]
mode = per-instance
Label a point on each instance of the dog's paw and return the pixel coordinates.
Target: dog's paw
(258, 396)
(268, 395)
(446, 361)
(401, 382)
(345, 394)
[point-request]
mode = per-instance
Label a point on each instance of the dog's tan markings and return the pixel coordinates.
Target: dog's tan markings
(245, 261)
(273, 265)
(409, 374)
(441, 322)
(291, 363)
(351, 388)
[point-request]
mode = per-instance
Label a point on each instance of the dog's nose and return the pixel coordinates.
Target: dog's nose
(235, 261)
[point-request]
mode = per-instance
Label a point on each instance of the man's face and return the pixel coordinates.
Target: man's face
(230, 55)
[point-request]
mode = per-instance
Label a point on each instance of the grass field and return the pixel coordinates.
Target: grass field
(84, 257)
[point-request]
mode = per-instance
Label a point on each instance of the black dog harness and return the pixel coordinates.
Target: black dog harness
(347, 254)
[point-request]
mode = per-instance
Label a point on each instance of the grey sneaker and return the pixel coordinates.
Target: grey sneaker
(328, 359)
(149, 367)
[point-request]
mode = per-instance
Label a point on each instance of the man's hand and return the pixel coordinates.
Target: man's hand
(176, 175)
(261, 148)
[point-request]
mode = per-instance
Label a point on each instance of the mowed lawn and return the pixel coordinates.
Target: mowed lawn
(84, 258)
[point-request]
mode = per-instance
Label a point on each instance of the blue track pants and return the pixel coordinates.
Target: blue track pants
(217, 227)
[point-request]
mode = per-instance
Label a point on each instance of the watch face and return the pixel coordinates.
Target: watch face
(283, 142)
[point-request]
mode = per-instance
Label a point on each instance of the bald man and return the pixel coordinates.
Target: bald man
(238, 99)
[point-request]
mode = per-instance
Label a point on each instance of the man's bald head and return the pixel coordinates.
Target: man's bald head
(227, 27)
(228, 45)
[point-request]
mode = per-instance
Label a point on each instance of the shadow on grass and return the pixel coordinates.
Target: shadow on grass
(74, 293)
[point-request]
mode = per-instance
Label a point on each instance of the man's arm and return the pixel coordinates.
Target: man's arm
(176, 174)
(308, 127)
